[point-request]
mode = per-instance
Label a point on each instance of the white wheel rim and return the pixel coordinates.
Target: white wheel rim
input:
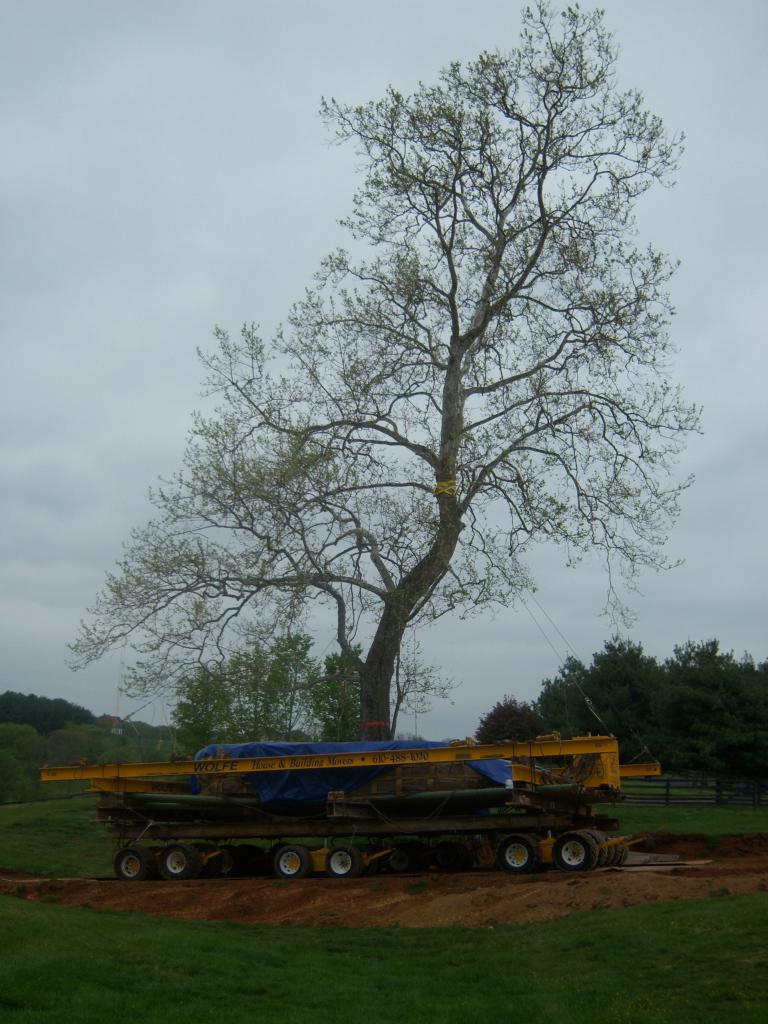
(130, 865)
(573, 853)
(175, 862)
(289, 862)
(340, 862)
(516, 855)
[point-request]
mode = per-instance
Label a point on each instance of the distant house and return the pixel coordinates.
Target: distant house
(111, 724)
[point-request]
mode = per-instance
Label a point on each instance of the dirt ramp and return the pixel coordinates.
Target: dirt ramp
(478, 899)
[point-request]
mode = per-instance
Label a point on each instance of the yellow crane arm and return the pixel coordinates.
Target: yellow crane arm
(544, 747)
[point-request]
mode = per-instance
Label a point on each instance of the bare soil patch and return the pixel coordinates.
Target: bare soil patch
(734, 864)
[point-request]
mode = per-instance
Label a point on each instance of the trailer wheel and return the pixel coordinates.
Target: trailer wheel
(292, 862)
(247, 860)
(132, 864)
(178, 863)
(604, 855)
(517, 854)
(401, 860)
(575, 851)
(344, 862)
(451, 856)
(614, 855)
(226, 862)
(619, 855)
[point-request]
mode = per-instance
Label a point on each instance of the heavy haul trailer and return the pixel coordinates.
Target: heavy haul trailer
(402, 805)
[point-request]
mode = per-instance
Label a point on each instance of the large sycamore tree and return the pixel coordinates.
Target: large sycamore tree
(489, 370)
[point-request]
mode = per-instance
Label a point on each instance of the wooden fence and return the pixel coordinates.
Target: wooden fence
(696, 789)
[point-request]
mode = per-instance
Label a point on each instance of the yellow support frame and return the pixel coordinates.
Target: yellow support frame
(639, 770)
(603, 752)
(369, 758)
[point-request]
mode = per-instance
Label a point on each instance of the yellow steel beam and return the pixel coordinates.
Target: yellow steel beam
(540, 748)
(137, 786)
(639, 770)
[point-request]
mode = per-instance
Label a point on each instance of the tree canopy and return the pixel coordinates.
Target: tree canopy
(509, 719)
(701, 710)
(335, 701)
(494, 372)
(261, 693)
(41, 730)
(278, 691)
(44, 714)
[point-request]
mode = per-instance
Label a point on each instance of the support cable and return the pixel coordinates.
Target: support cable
(644, 751)
(561, 659)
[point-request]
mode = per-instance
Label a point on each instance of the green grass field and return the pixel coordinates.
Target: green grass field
(57, 837)
(60, 837)
(682, 962)
(707, 820)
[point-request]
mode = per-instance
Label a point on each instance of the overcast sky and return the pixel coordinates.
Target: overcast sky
(164, 170)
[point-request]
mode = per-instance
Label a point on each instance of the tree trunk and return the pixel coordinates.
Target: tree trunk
(379, 666)
(374, 700)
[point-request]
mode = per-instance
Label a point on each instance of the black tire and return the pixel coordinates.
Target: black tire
(134, 864)
(244, 860)
(226, 862)
(402, 860)
(292, 862)
(422, 856)
(604, 855)
(451, 857)
(344, 862)
(614, 855)
(258, 861)
(517, 854)
(179, 863)
(575, 851)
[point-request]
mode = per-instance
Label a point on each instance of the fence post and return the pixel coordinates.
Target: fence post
(718, 791)
(666, 792)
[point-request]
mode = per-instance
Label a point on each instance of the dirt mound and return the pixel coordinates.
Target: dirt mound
(475, 899)
(706, 846)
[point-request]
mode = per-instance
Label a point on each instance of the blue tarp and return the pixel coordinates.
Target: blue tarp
(312, 786)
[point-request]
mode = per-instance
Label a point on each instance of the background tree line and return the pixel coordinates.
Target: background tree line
(265, 691)
(40, 730)
(699, 710)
